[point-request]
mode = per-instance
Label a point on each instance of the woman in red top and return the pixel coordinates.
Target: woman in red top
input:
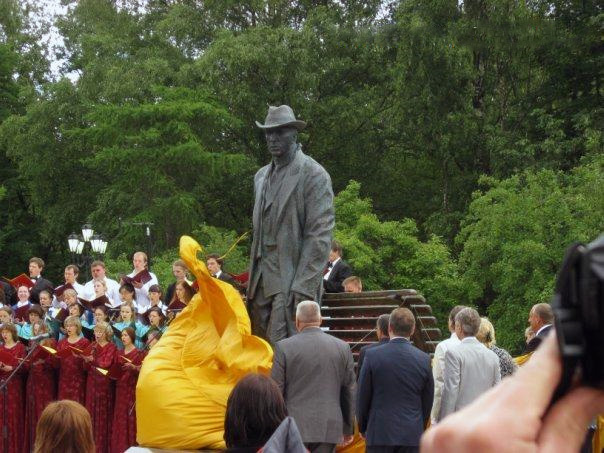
(72, 374)
(124, 415)
(40, 387)
(11, 407)
(99, 387)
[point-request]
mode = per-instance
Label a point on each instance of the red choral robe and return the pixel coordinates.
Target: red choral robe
(14, 404)
(124, 414)
(39, 391)
(100, 395)
(72, 374)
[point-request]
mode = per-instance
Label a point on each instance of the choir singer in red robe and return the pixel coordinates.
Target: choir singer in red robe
(72, 374)
(124, 415)
(11, 400)
(100, 390)
(40, 387)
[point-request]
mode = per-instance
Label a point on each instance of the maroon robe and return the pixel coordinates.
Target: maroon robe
(40, 390)
(124, 414)
(72, 374)
(100, 394)
(14, 404)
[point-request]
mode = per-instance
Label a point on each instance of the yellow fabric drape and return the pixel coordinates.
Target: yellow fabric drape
(522, 359)
(187, 377)
(598, 441)
(356, 446)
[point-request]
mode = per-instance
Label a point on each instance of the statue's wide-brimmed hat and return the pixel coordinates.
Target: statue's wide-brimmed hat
(280, 117)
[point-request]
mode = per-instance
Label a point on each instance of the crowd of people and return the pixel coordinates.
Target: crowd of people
(84, 343)
(401, 401)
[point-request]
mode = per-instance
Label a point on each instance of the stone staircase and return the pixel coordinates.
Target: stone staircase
(352, 317)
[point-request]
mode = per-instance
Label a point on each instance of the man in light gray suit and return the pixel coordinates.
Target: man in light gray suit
(315, 373)
(293, 222)
(470, 368)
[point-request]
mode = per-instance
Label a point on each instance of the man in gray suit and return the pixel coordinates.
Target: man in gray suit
(470, 368)
(315, 373)
(293, 222)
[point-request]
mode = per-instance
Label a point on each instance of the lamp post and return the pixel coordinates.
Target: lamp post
(85, 248)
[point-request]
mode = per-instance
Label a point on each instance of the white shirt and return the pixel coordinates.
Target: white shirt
(142, 295)
(438, 368)
(333, 264)
(113, 291)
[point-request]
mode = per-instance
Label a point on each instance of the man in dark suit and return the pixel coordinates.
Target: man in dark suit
(215, 263)
(541, 319)
(337, 270)
(381, 330)
(315, 374)
(36, 265)
(395, 390)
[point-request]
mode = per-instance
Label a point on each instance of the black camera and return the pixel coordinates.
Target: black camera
(578, 306)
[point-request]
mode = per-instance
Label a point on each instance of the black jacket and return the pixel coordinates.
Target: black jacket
(364, 349)
(227, 278)
(340, 272)
(537, 339)
(9, 293)
(41, 284)
(395, 394)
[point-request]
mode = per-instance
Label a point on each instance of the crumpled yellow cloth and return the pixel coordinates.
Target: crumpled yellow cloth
(598, 441)
(187, 377)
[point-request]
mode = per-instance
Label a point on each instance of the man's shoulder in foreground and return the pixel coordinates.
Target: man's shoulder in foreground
(396, 345)
(471, 344)
(367, 347)
(302, 337)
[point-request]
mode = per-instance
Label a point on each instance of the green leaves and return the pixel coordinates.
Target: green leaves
(390, 254)
(514, 237)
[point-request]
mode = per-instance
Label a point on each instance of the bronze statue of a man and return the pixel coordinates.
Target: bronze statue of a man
(293, 223)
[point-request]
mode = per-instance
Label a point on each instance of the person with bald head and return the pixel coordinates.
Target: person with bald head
(315, 373)
(541, 319)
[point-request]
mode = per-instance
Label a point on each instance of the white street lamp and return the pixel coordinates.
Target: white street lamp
(87, 232)
(73, 240)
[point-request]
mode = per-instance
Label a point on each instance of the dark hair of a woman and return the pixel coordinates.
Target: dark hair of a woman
(189, 292)
(64, 426)
(130, 332)
(255, 409)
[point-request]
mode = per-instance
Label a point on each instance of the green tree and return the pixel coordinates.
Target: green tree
(164, 161)
(514, 237)
(390, 255)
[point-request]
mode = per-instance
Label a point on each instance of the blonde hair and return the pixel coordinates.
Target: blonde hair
(71, 292)
(73, 321)
(64, 426)
(132, 308)
(486, 333)
(106, 328)
(102, 281)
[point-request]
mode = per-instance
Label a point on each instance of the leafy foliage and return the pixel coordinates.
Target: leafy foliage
(474, 130)
(515, 234)
(390, 254)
